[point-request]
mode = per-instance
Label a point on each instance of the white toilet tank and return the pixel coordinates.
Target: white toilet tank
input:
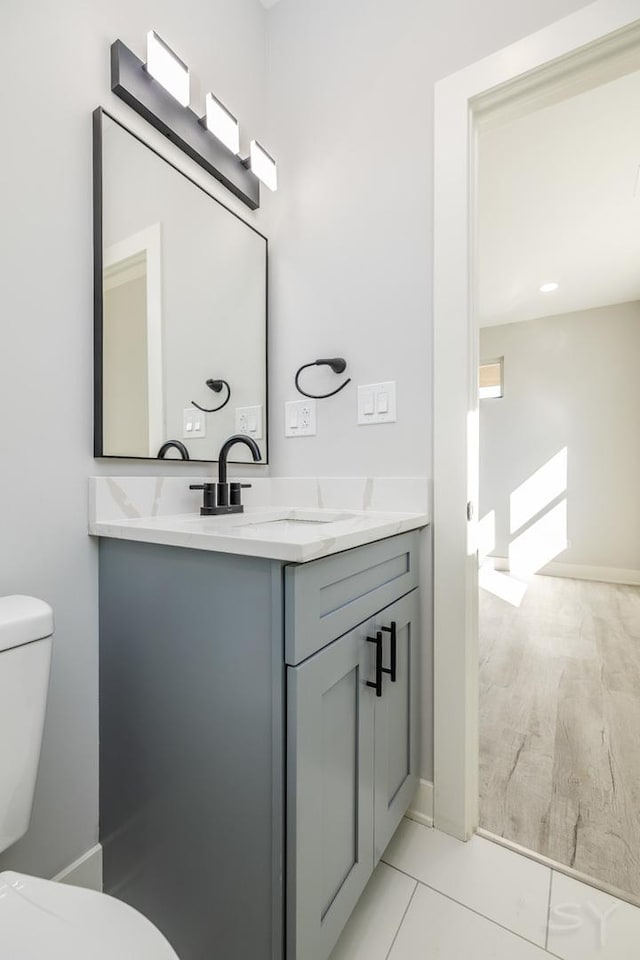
(26, 628)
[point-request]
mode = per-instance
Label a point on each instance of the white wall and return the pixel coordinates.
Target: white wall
(55, 65)
(351, 94)
(571, 382)
(350, 90)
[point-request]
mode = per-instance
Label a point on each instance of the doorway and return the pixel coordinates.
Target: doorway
(558, 312)
(556, 64)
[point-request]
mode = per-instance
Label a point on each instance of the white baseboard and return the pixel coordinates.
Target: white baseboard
(577, 571)
(421, 809)
(86, 871)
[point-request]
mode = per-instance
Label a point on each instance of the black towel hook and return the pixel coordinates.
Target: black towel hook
(337, 364)
(216, 386)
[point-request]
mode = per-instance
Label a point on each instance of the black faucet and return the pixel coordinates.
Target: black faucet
(223, 497)
(180, 447)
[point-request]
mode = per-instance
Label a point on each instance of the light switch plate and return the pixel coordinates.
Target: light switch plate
(249, 421)
(300, 418)
(377, 403)
(193, 423)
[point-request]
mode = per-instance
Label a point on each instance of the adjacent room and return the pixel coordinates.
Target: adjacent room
(559, 316)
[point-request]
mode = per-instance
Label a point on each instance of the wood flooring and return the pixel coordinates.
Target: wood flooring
(560, 725)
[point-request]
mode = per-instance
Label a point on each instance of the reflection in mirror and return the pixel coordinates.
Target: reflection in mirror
(181, 311)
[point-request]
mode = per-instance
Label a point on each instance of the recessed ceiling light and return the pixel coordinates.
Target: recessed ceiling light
(549, 287)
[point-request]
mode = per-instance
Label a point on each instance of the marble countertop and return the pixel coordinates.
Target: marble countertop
(291, 519)
(292, 535)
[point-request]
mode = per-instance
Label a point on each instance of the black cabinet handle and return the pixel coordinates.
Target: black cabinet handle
(392, 668)
(377, 684)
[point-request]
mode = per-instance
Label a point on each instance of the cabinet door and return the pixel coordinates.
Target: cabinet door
(330, 789)
(397, 718)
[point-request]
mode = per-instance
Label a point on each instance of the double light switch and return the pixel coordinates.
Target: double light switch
(193, 423)
(377, 403)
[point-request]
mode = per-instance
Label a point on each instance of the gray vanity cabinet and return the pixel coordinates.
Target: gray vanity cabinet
(352, 747)
(331, 771)
(250, 775)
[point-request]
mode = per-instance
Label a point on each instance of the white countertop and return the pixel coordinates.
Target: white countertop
(294, 535)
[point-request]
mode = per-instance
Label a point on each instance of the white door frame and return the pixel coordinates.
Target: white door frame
(458, 100)
(149, 243)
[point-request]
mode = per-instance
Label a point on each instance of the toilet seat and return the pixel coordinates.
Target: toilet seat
(44, 920)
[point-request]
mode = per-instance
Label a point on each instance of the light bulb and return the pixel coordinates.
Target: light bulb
(264, 166)
(222, 123)
(167, 68)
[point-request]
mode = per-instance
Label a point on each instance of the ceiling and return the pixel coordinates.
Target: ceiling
(559, 200)
(268, 3)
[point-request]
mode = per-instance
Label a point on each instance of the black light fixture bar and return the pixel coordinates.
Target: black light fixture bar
(131, 82)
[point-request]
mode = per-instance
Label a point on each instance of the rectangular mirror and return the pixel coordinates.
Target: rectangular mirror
(180, 310)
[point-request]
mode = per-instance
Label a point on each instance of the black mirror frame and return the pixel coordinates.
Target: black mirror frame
(98, 418)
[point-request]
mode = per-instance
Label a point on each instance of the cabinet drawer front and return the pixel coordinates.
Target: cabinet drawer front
(330, 789)
(324, 599)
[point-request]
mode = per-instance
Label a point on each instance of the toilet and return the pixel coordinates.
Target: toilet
(42, 919)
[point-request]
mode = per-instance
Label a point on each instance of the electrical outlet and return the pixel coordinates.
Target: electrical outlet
(193, 423)
(300, 418)
(249, 421)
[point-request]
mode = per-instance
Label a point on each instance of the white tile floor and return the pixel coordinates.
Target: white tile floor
(436, 898)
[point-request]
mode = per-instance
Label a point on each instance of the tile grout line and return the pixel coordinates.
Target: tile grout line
(546, 939)
(560, 868)
(550, 952)
(406, 910)
(466, 906)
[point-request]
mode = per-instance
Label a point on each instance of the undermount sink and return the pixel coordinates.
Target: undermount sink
(270, 520)
(295, 518)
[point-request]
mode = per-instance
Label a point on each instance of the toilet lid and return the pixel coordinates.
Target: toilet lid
(44, 920)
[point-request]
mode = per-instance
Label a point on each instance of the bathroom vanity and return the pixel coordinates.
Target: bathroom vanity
(259, 672)
(259, 722)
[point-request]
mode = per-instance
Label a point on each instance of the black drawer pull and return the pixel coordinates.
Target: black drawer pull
(377, 685)
(392, 668)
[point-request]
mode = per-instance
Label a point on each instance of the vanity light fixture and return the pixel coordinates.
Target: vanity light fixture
(221, 123)
(167, 68)
(550, 287)
(263, 165)
(159, 92)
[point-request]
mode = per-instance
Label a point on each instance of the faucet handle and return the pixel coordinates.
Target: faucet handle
(235, 498)
(208, 506)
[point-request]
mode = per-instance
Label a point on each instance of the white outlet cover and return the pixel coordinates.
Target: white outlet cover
(377, 403)
(300, 418)
(249, 421)
(193, 423)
